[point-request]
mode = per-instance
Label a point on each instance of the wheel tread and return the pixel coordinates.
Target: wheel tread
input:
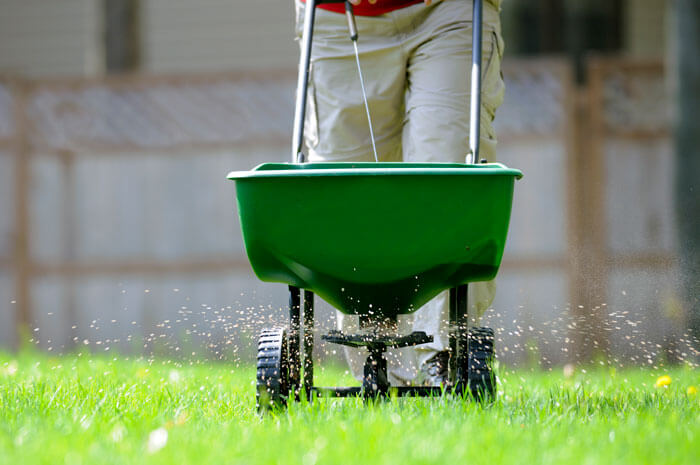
(480, 376)
(272, 373)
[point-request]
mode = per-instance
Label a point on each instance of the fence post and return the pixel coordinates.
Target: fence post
(591, 244)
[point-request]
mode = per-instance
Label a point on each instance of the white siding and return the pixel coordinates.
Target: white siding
(64, 37)
(50, 37)
(195, 35)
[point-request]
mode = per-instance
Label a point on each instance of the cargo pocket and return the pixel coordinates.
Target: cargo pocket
(493, 87)
(492, 92)
(311, 129)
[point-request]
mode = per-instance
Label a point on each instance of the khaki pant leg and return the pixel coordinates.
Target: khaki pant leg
(335, 119)
(437, 130)
(438, 95)
(336, 124)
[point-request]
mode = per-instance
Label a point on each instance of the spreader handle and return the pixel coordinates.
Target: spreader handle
(303, 78)
(302, 82)
(475, 101)
(352, 25)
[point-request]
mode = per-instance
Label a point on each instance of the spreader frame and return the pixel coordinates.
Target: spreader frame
(301, 345)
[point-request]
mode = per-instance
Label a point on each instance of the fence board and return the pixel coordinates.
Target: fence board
(640, 205)
(631, 120)
(128, 115)
(645, 315)
(8, 304)
(538, 220)
(530, 315)
(153, 207)
(7, 123)
(7, 205)
(538, 93)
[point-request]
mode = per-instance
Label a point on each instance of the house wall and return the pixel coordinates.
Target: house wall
(195, 35)
(56, 37)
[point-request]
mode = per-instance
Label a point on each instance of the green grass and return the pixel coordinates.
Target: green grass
(84, 410)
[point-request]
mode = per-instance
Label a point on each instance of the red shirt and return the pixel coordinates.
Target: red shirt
(367, 9)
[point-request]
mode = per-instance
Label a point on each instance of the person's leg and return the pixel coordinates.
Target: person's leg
(336, 124)
(336, 112)
(437, 124)
(436, 41)
(438, 93)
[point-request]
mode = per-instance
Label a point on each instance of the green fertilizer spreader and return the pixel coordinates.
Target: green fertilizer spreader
(375, 240)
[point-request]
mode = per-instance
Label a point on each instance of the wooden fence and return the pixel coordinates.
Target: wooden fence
(118, 227)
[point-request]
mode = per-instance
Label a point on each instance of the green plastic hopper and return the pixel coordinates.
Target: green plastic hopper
(375, 238)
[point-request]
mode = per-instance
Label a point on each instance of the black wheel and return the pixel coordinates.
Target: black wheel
(273, 370)
(480, 376)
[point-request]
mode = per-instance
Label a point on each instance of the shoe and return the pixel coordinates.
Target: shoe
(433, 372)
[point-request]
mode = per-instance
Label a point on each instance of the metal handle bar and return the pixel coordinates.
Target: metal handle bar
(475, 101)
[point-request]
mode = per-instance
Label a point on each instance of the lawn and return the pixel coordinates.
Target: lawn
(87, 410)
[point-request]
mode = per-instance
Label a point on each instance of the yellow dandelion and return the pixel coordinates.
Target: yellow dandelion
(692, 390)
(663, 381)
